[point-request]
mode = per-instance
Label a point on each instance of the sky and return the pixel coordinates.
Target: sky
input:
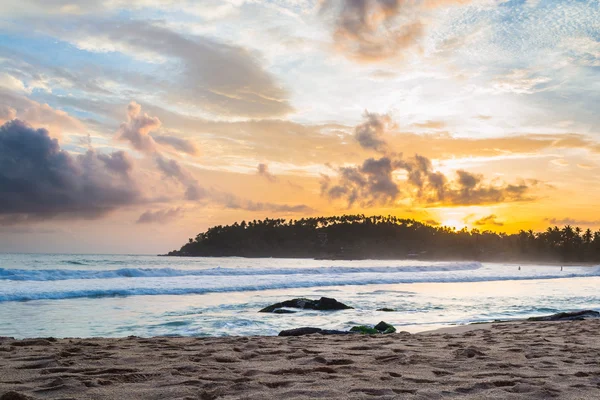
(131, 126)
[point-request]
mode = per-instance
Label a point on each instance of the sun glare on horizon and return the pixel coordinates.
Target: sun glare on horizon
(455, 223)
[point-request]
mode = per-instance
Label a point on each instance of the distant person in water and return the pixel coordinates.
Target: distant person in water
(519, 267)
(561, 267)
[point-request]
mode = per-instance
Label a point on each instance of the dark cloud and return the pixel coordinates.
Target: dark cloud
(38, 180)
(369, 134)
(160, 216)
(373, 183)
(263, 170)
(118, 162)
(489, 220)
(470, 189)
(180, 144)
(369, 184)
(137, 128)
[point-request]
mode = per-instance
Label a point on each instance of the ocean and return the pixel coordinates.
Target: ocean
(64, 295)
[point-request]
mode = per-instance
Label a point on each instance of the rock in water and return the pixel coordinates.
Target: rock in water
(323, 304)
(326, 303)
(384, 327)
(385, 309)
(310, 331)
(568, 316)
(365, 330)
(283, 311)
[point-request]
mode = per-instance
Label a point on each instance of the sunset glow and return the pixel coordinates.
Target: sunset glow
(145, 122)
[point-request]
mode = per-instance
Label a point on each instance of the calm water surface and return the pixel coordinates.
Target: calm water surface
(115, 296)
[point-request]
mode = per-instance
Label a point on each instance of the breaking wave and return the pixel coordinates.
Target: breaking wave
(66, 274)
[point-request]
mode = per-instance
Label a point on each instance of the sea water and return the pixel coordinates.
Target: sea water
(65, 295)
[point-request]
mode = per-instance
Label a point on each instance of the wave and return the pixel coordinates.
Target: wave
(284, 283)
(93, 262)
(66, 274)
(70, 262)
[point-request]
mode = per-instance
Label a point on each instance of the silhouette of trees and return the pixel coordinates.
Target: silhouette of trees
(360, 236)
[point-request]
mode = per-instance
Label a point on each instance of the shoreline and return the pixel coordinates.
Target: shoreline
(520, 359)
(503, 261)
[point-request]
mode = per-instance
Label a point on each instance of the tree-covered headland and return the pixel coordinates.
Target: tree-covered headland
(387, 237)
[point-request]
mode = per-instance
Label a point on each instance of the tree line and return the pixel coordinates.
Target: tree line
(387, 237)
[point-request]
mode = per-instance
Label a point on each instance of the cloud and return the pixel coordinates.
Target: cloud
(220, 78)
(369, 30)
(489, 220)
(520, 81)
(373, 183)
(233, 202)
(136, 131)
(38, 180)
(14, 105)
(160, 216)
(582, 50)
(7, 113)
(118, 162)
(137, 128)
(369, 133)
(172, 169)
(573, 221)
(369, 184)
(434, 125)
(470, 189)
(586, 166)
(180, 144)
(263, 170)
(377, 30)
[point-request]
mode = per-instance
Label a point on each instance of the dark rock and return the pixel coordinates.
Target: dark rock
(568, 316)
(283, 311)
(310, 331)
(334, 332)
(384, 327)
(15, 396)
(300, 331)
(386, 309)
(323, 304)
(326, 303)
(365, 330)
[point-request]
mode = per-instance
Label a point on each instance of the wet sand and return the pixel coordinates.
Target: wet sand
(532, 360)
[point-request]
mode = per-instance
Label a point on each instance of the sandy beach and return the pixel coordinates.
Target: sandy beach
(534, 360)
